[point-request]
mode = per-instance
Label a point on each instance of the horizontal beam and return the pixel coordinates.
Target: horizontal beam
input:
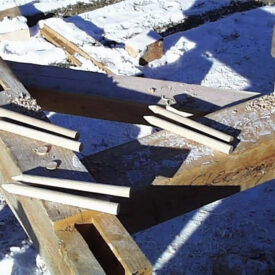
(119, 98)
(171, 175)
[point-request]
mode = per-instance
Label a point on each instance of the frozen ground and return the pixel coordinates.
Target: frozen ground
(28, 7)
(233, 52)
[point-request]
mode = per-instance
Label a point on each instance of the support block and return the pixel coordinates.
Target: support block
(148, 46)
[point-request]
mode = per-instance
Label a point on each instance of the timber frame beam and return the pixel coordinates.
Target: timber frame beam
(61, 233)
(119, 98)
(172, 175)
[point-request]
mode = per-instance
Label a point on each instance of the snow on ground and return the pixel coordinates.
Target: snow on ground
(233, 52)
(221, 54)
(123, 20)
(242, 225)
(17, 23)
(28, 7)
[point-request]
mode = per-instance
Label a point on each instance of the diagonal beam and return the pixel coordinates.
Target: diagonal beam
(65, 251)
(173, 175)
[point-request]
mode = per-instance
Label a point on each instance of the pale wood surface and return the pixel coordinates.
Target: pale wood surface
(170, 175)
(99, 188)
(191, 123)
(115, 236)
(62, 198)
(38, 123)
(253, 128)
(16, 35)
(41, 136)
(36, 216)
(190, 134)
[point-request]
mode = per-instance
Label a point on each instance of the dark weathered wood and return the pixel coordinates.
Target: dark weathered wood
(119, 98)
(60, 250)
(170, 172)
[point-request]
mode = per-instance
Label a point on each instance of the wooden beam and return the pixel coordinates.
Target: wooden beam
(23, 34)
(60, 41)
(171, 175)
(11, 13)
(65, 252)
(119, 98)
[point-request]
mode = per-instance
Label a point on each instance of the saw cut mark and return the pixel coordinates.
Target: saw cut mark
(3, 86)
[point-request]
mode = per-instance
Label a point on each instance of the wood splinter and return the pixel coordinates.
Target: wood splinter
(64, 198)
(41, 136)
(38, 123)
(208, 141)
(100, 188)
(189, 122)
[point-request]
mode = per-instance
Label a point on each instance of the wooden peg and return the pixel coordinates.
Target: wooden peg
(38, 123)
(100, 188)
(64, 198)
(41, 136)
(189, 122)
(208, 141)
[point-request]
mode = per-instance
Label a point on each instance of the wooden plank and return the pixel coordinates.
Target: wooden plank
(60, 41)
(119, 98)
(38, 217)
(11, 12)
(168, 171)
(23, 34)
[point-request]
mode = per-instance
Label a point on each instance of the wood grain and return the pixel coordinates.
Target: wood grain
(60, 41)
(36, 216)
(168, 171)
(115, 97)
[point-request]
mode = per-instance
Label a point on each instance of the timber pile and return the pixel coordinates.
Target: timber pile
(169, 170)
(78, 241)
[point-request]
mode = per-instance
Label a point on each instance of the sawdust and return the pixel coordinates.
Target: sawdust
(26, 101)
(266, 102)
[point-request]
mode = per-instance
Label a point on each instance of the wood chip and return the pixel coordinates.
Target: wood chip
(42, 150)
(52, 165)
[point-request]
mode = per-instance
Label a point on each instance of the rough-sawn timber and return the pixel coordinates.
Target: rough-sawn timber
(172, 175)
(64, 248)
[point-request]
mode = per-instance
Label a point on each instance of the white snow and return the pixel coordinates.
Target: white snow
(222, 54)
(142, 40)
(190, 244)
(28, 7)
(128, 18)
(232, 53)
(13, 24)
